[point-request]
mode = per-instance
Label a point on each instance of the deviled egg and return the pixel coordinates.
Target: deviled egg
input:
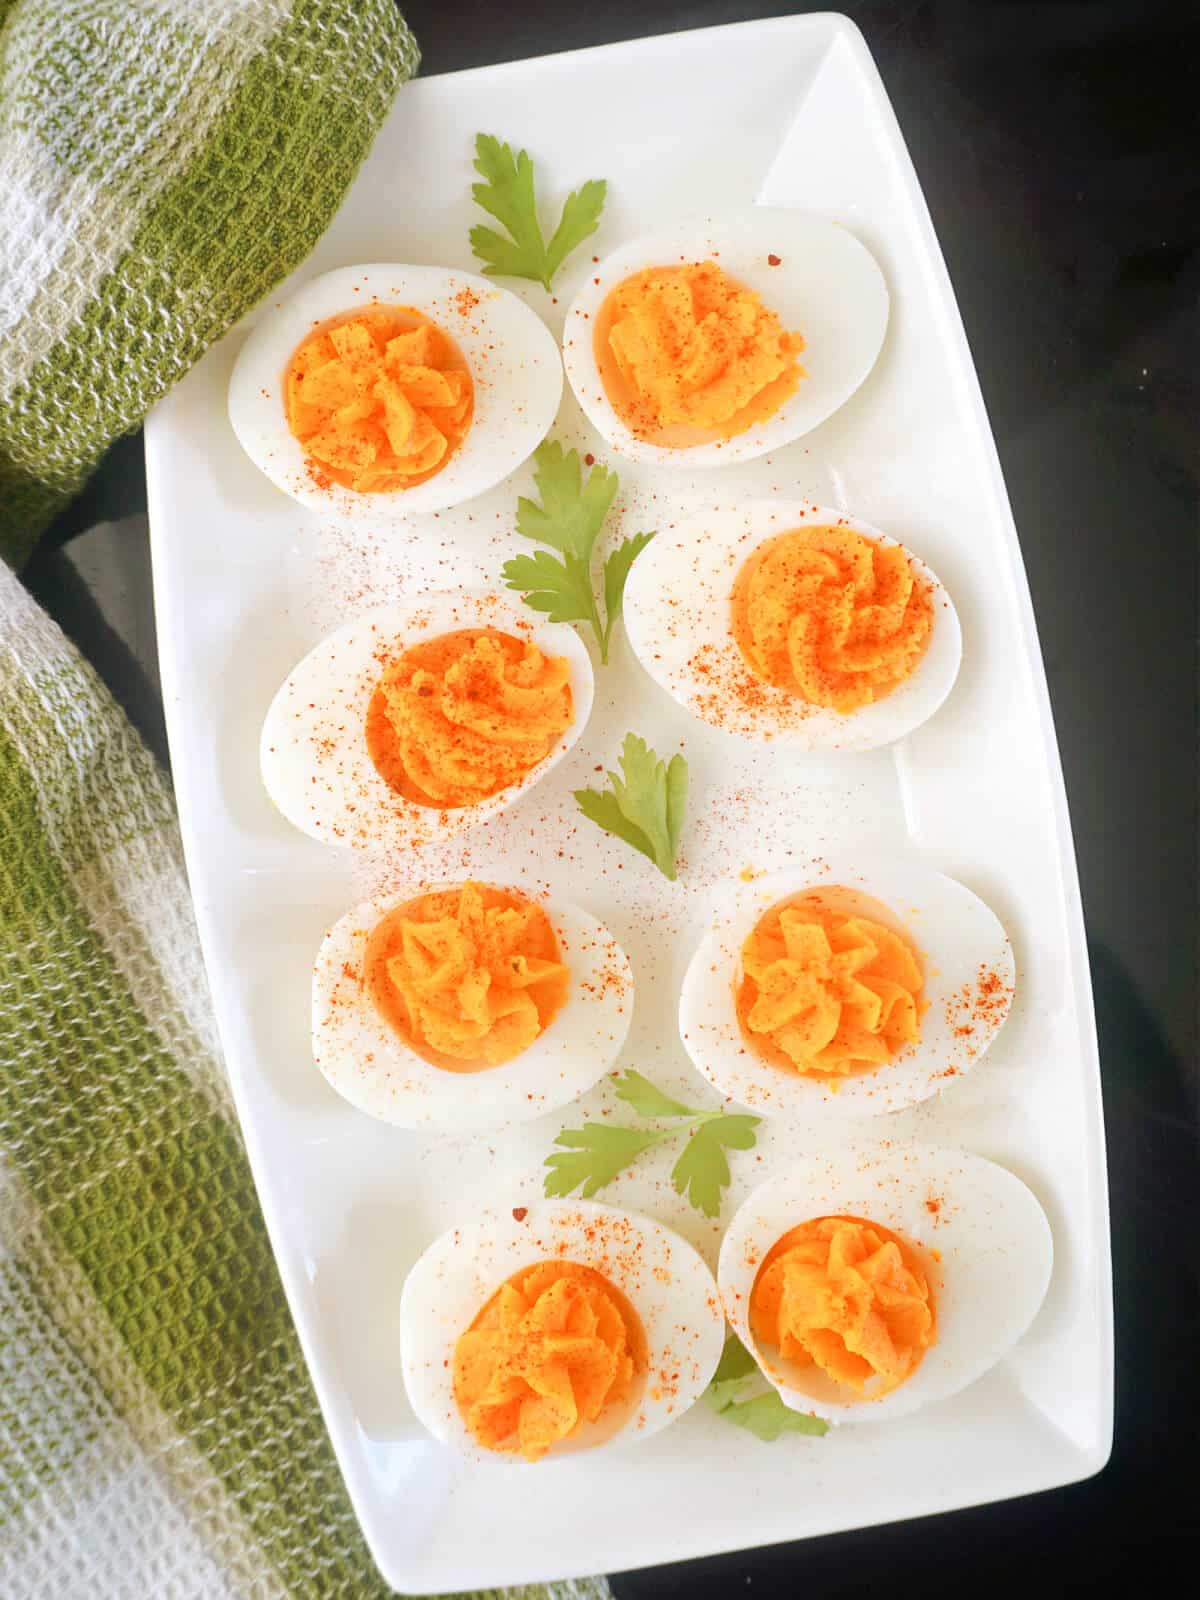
(853, 988)
(724, 337)
(468, 1006)
(378, 392)
(868, 1282)
(420, 719)
(557, 1327)
(783, 621)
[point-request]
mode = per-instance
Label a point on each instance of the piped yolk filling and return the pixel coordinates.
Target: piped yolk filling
(380, 400)
(552, 1350)
(831, 616)
(687, 354)
(825, 992)
(459, 717)
(848, 1296)
(468, 977)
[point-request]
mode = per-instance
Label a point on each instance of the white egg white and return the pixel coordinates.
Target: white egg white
(313, 751)
(957, 938)
(826, 286)
(983, 1237)
(679, 618)
(367, 1062)
(661, 1275)
(512, 357)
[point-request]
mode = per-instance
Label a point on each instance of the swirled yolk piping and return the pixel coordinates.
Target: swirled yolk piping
(468, 977)
(686, 353)
(380, 400)
(849, 1296)
(552, 1350)
(826, 992)
(459, 717)
(831, 616)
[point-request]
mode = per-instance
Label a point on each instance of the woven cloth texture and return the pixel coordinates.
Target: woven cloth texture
(158, 1434)
(163, 163)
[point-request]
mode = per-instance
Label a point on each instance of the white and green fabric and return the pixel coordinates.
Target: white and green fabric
(158, 1434)
(162, 164)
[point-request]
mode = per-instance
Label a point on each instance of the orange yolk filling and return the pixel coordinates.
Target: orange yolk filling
(380, 401)
(825, 992)
(687, 354)
(549, 1352)
(468, 977)
(848, 1296)
(462, 716)
(831, 616)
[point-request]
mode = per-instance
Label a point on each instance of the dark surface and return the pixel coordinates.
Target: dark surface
(1059, 152)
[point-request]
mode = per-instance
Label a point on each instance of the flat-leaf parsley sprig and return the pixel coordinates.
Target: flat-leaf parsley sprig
(644, 805)
(592, 1156)
(507, 193)
(763, 1414)
(569, 519)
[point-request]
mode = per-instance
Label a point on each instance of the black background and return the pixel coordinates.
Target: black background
(1059, 152)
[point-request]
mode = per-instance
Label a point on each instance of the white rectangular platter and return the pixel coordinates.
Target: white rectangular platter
(789, 112)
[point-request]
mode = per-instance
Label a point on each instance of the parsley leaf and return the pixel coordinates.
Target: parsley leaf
(702, 1172)
(616, 571)
(764, 1415)
(562, 589)
(593, 1156)
(767, 1417)
(508, 195)
(569, 519)
(647, 1099)
(735, 1366)
(572, 512)
(645, 805)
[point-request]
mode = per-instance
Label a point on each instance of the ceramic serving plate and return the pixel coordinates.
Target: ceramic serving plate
(788, 113)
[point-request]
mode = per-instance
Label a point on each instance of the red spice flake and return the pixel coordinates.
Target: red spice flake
(590, 459)
(933, 1204)
(978, 1007)
(465, 301)
(520, 1213)
(774, 261)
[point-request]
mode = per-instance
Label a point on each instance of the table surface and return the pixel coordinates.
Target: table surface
(1057, 145)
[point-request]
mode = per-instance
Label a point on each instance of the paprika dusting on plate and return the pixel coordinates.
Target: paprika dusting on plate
(826, 991)
(556, 1346)
(468, 977)
(831, 616)
(465, 714)
(849, 1296)
(688, 355)
(380, 399)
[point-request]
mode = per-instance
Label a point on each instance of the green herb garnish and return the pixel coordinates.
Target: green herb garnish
(507, 194)
(764, 1414)
(569, 519)
(592, 1156)
(645, 805)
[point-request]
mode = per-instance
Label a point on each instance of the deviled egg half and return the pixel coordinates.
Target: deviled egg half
(851, 988)
(562, 1326)
(784, 621)
(377, 392)
(868, 1282)
(724, 337)
(420, 719)
(467, 1006)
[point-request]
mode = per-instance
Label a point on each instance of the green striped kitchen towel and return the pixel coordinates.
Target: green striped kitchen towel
(158, 1434)
(163, 163)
